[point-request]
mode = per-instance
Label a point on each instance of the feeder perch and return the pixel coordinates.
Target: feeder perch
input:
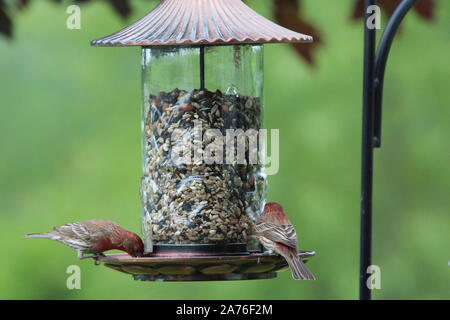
(202, 76)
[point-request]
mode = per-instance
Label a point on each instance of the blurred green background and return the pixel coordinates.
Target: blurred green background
(70, 150)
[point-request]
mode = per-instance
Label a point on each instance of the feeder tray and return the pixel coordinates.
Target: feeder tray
(194, 266)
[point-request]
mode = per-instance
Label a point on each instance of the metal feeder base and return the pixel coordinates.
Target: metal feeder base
(191, 267)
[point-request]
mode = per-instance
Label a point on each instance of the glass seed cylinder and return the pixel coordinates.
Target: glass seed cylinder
(202, 111)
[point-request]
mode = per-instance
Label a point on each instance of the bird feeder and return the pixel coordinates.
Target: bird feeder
(202, 83)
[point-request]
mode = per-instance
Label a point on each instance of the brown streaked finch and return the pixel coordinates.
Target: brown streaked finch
(95, 236)
(277, 234)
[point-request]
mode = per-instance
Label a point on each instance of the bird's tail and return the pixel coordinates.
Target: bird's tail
(47, 235)
(298, 268)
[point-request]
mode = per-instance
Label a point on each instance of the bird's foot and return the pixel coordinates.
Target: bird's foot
(95, 256)
(85, 257)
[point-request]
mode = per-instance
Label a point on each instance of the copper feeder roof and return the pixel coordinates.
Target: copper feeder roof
(201, 22)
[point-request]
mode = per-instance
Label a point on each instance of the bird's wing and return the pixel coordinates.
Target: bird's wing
(76, 230)
(74, 235)
(284, 234)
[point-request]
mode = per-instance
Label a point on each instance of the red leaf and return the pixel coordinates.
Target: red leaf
(21, 4)
(122, 7)
(425, 8)
(358, 10)
(286, 13)
(5, 21)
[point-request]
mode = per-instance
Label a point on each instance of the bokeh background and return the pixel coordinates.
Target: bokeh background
(70, 150)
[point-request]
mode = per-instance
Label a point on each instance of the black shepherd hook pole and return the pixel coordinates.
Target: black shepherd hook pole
(374, 67)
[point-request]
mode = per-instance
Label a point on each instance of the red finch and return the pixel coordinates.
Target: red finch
(95, 236)
(277, 234)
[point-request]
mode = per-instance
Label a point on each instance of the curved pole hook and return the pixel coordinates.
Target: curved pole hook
(381, 60)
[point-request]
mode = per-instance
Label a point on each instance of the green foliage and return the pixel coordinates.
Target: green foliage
(70, 150)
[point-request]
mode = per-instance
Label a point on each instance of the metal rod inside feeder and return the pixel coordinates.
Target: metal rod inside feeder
(202, 67)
